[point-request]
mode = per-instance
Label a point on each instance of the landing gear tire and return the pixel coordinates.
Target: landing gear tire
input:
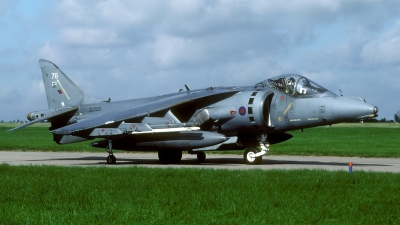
(111, 159)
(170, 156)
(249, 157)
(201, 157)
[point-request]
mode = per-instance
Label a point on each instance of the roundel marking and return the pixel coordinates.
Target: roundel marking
(282, 97)
(242, 111)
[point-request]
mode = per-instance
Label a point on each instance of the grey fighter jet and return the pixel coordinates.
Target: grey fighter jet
(246, 118)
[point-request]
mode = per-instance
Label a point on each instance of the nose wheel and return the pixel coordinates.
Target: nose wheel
(252, 155)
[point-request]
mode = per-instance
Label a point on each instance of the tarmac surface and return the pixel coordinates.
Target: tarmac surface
(213, 161)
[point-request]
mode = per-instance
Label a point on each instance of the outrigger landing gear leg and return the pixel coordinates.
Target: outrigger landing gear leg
(252, 155)
(110, 158)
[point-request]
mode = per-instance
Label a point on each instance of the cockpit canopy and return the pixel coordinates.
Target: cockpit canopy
(296, 85)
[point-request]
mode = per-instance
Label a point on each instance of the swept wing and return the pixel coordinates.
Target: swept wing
(161, 104)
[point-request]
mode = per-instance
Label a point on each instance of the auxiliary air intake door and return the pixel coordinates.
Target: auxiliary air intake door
(259, 110)
(267, 109)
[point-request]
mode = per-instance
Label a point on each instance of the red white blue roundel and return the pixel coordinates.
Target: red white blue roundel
(242, 111)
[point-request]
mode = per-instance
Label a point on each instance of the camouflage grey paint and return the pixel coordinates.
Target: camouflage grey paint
(194, 120)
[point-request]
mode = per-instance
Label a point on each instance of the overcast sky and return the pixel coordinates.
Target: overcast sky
(132, 49)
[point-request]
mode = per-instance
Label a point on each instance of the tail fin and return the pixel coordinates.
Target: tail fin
(61, 91)
(63, 97)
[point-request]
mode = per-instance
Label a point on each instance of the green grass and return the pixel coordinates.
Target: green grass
(37, 137)
(136, 195)
(349, 139)
(60, 195)
(358, 141)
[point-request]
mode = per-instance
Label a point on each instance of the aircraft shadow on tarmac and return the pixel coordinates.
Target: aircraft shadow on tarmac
(223, 162)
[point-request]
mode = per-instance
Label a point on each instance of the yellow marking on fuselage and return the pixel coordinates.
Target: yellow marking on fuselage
(290, 105)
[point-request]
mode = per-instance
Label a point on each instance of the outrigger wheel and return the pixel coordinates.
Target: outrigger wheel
(111, 159)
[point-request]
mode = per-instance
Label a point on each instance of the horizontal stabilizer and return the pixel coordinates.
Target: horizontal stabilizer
(46, 117)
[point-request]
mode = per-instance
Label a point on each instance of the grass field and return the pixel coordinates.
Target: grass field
(107, 195)
(135, 195)
(348, 139)
(36, 137)
(362, 140)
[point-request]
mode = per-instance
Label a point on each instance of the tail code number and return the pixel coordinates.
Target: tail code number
(54, 76)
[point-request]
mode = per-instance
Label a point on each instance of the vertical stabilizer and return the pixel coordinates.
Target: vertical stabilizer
(61, 91)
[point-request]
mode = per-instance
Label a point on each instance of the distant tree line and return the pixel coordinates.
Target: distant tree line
(14, 121)
(379, 120)
(20, 121)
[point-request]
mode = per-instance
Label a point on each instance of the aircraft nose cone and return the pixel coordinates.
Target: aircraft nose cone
(347, 109)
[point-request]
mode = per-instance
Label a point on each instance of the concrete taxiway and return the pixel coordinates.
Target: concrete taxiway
(212, 162)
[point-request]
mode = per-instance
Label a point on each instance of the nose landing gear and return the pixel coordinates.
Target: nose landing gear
(252, 155)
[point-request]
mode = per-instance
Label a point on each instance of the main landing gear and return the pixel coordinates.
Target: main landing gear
(201, 156)
(252, 155)
(170, 156)
(110, 158)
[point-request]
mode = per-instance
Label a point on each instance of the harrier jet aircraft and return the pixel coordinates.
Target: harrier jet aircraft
(246, 118)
